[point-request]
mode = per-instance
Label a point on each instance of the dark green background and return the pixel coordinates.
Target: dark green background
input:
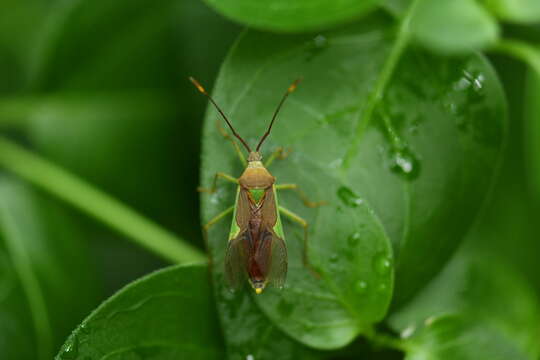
(100, 88)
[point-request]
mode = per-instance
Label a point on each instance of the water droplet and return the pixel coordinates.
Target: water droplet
(470, 80)
(84, 329)
(361, 286)
(382, 287)
(354, 238)
(316, 46)
(334, 258)
(348, 197)
(70, 348)
(404, 163)
(320, 41)
(382, 264)
(250, 357)
(408, 331)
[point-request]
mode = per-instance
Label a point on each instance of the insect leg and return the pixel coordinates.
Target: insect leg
(237, 149)
(279, 153)
(206, 227)
(301, 194)
(214, 183)
(300, 221)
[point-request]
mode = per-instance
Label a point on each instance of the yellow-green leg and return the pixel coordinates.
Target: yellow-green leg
(279, 153)
(300, 221)
(206, 227)
(214, 183)
(237, 149)
(301, 194)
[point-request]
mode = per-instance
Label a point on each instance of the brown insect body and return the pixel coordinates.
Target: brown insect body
(256, 242)
(256, 186)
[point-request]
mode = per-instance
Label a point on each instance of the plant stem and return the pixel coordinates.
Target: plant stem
(95, 203)
(400, 44)
(526, 52)
(383, 340)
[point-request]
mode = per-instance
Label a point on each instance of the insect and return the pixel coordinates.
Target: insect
(256, 245)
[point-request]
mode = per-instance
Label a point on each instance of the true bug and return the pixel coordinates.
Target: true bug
(256, 241)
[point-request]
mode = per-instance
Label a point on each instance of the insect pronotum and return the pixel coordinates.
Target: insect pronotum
(256, 244)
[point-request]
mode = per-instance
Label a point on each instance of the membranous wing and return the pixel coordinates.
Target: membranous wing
(256, 250)
(236, 260)
(273, 243)
(277, 273)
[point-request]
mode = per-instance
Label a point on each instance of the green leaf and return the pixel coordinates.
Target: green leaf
(532, 123)
(46, 284)
(292, 16)
(369, 139)
(109, 99)
(477, 305)
(453, 26)
(169, 314)
(516, 11)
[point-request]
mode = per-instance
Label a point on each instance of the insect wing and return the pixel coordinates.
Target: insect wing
(278, 267)
(235, 261)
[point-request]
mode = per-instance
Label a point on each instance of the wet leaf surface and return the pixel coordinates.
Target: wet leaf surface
(437, 129)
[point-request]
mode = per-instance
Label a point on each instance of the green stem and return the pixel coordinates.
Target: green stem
(402, 40)
(94, 202)
(526, 52)
(382, 340)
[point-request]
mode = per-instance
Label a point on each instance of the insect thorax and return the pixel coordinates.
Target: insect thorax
(256, 177)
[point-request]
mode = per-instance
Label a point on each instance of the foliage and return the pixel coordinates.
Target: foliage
(415, 123)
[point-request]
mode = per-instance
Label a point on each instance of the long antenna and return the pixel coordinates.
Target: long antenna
(289, 90)
(202, 90)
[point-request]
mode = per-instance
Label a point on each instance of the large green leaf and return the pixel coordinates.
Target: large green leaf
(453, 26)
(292, 16)
(46, 282)
(477, 307)
(169, 314)
(438, 133)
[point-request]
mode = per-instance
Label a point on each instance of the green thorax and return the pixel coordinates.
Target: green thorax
(257, 194)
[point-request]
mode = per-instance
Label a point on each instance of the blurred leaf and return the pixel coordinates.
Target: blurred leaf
(292, 16)
(532, 133)
(20, 23)
(169, 314)
(518, 11)
(453, 26)
(108, 76)
(477, 305)
(439, 134)
(46, 284)
(396, 7)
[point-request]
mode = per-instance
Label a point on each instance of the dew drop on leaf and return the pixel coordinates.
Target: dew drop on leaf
(70, 348)
(348, 197)
(353, 239)
(361, 286)
(317, 45)
(405, 164)
(382, 264)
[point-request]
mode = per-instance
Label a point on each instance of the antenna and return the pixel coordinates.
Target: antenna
(202, 90)
(289, 90)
